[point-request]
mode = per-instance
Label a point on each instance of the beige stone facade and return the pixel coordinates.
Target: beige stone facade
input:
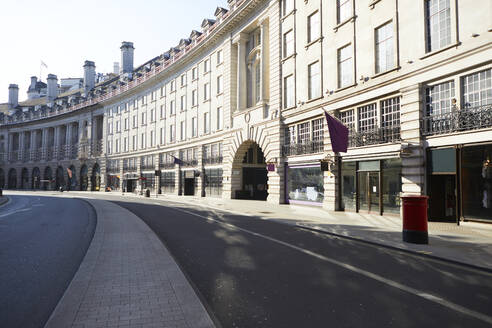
(247, 93)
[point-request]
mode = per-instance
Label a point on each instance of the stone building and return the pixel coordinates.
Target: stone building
(235, 110)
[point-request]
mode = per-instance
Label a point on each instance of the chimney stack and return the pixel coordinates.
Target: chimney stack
(116, 68)
(127, 57)
(34, 79)
(52, 87)
(89, 76)
(13, 96)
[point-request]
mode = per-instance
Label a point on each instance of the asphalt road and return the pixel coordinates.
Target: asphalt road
(258, 273)
(42, 243)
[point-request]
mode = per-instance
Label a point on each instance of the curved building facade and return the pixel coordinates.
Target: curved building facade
(236, 111)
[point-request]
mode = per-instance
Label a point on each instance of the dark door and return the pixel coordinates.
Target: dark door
(189, 187)
(369, 192)
(255, 183)
(442, 197)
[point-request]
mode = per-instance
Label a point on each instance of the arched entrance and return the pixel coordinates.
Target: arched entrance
(72, 178)
(60, 178)
(25, 179)
(2, 178)
(84, 181)
(96, 178)
(36, 178)
(48, 177)
(12, 182)
(249, 173)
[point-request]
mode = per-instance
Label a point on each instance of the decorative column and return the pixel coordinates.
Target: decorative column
(241, 72)
(33, 149)
(264, 60)
(201, 169)
(68, 141)
(57, 143)
(44, 138)
(21, 145)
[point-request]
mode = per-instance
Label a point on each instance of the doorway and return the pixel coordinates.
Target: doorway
(189, 186)
(443, 195)
(255, 183)
(369, 192)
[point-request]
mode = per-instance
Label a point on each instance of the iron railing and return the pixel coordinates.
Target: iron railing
(147, 166)
(166, 165)
(374, 136)
(49, 153)
(97, 148)
(74, 150)
(14, 156)
(458, 120)
(190, 163)
(309, 147)
(213, 160)
(112, 169)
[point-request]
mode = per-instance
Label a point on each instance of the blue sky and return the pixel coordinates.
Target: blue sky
(64, 34)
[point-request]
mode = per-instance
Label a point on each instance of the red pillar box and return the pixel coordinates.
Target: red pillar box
(415, 219)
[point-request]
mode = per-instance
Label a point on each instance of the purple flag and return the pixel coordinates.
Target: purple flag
(338, 134)
(177, 160)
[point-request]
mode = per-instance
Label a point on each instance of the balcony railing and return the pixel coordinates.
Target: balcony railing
(50, 151)
(84, 150)
(190, 163)
(14, 156)
(166, 165)
(459, 120)
(2, 158)
(213, 160)
(127, 168)
(60, 152)
(374, 136)
(113, 170)
(25, 156)
(73, 151)
(147, 166)
(36, 155)
(309, 147)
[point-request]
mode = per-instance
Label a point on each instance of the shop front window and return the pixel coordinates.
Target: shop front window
(477, 182)
(305, 184)
(391, 185)
(213, 182)
(349, 193)
(167, 182)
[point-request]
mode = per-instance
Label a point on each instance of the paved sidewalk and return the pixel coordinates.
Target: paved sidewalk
(127, 279)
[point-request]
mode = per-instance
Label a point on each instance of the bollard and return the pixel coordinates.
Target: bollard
(415, 219)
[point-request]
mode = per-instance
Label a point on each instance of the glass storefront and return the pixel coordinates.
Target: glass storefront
(213, 182)
(167, 182)
(113, 182)
(148, 181)
(371, 186)
(477, 182)
(305, 184)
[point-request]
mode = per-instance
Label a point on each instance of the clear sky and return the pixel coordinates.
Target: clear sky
(64, 34)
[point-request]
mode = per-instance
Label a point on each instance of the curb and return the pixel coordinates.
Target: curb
(395, 248)
(4, 200)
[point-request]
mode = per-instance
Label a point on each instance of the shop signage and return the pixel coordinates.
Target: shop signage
(270, 167)
(189, 174)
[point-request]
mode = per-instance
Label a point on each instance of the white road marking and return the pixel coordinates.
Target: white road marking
(15, 211)
(389, 282)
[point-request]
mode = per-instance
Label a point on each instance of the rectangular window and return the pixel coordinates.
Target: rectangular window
(438, 24)
(163, 91)
(220, 118)
(152, 96)
(125, 144)
(163, 111)
(144, 118)
(194, 97)
(344, 10)
(206, 91)
(182, 130)
(206, 123)
(135, 146)
(183, 103)
(314, 80)
(173, 86)
(345, 67)
(303, 133)
(118, 127)
(477, 89)
(289, 43)
(117, 145)
(127, 126)
(206, 66)
(348, 119)
(318, 128)
(194, 127)
(135, 122)
(161, 135)
(438, 98)
(390, 113)
(290, 135)
(172, 132)
(314, 27)
(183, 80)
(384, 48)
(289, 92)
(367, 117)
(152, 139)
(142, 142)
(287, 7)
(219, 84)
(172, 107)
(194, 73)
(152, 115)
(219, 57)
